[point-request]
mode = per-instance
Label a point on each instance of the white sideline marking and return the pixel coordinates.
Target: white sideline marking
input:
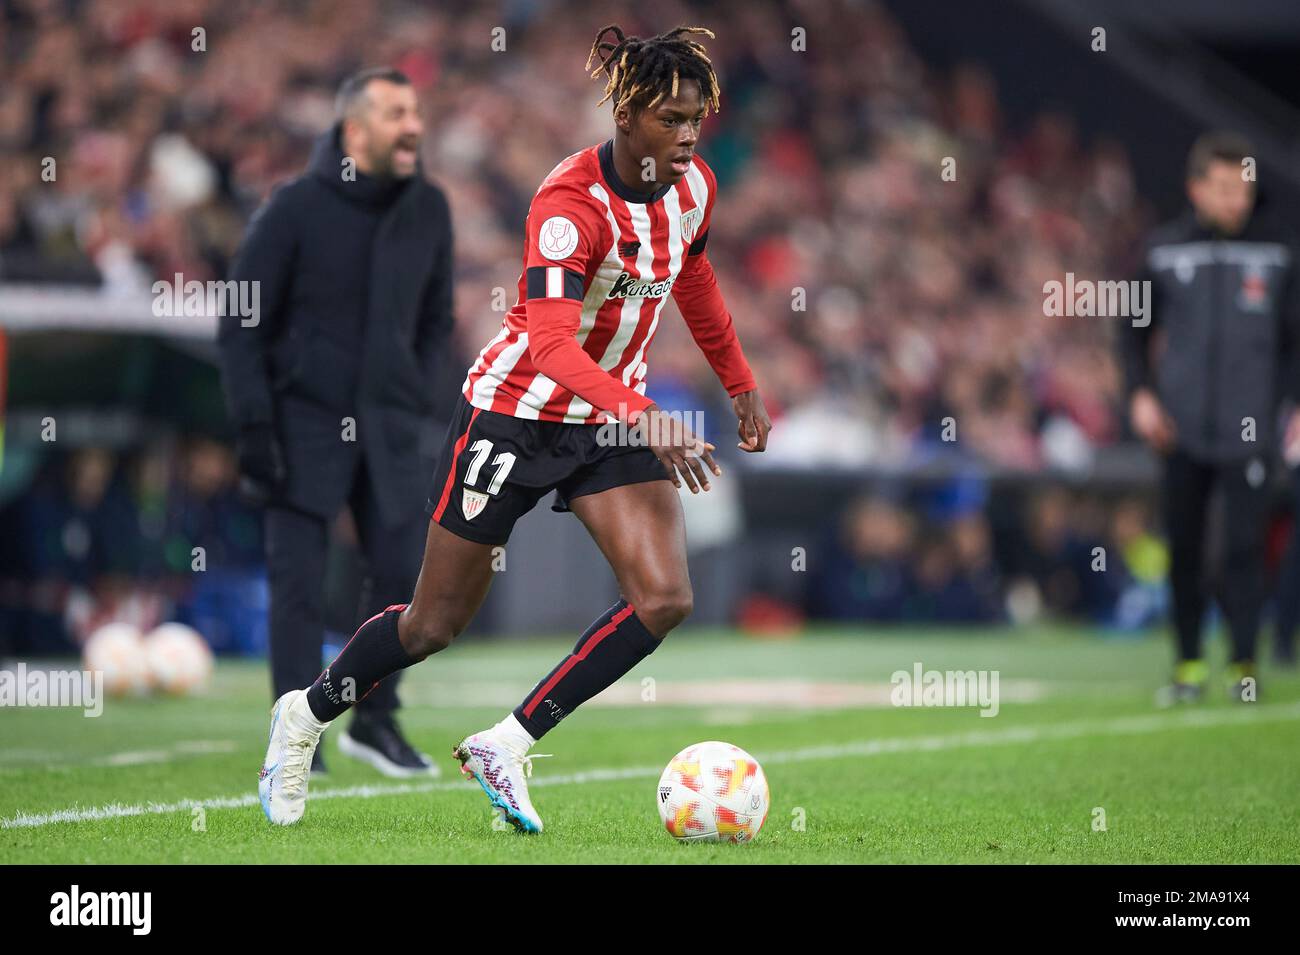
(1120, 726)
(196, 747)
(771, 693)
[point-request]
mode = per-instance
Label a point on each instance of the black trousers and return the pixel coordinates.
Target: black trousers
(296, 546)
(1288, 585)
(1241, 589)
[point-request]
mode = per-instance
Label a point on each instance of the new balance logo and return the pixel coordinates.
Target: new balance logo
(627, 249)
(628, 287)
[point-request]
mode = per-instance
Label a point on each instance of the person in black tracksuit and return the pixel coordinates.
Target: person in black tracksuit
(333, 389)
(1205, 380)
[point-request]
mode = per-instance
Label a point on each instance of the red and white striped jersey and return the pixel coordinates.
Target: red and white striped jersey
(593, 241)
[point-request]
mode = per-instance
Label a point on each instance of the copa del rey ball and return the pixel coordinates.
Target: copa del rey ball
(179, 659)
(713, 792)
(117, 651)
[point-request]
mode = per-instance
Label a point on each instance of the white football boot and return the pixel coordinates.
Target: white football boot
(501, 765)
(282, 782)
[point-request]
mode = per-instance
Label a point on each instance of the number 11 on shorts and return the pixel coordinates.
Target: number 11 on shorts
(503, 462)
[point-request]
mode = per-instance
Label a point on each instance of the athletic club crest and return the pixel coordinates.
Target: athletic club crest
(472, 503)
(690, 222)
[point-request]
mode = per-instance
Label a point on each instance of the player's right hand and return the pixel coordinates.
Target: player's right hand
(680, 451)
(1150, 421)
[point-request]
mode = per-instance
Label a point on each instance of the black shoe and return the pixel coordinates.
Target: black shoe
(1242, 686)
(1180, 694)
(378, 740)
(1188, 686)
(1243, 691)
(318, 763)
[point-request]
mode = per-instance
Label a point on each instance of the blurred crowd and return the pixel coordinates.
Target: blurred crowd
(953, 553)
(882, 237)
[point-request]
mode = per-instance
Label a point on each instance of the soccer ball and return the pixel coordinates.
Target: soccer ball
(179, 659)
(117, 651)
(713, 792)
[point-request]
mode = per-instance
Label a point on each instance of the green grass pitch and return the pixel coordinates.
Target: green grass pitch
(851, 782)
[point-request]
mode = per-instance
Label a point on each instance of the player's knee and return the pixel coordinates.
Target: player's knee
(662, 610)
(423, 636)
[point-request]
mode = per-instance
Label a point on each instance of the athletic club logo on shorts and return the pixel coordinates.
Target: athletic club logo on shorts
(557, 238)
(472, 504)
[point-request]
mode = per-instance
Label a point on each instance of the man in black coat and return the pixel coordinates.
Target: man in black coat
(1206, 377)
(332, 384)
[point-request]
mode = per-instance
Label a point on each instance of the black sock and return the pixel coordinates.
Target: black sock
(614, 644)
(372, 654)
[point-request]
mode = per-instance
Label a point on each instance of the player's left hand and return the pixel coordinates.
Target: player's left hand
(754, 422)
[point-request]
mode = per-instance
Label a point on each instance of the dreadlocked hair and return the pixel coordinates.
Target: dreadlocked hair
(646, 71)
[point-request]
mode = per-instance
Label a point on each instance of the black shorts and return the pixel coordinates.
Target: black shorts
(493, 469)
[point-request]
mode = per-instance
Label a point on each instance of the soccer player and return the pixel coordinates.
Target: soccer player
(611, 233)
